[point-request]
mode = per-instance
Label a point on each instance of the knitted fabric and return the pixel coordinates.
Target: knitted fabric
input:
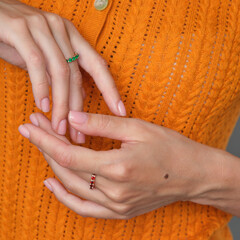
(176, 64)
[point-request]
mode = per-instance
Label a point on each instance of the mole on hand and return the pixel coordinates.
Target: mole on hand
(166, 176)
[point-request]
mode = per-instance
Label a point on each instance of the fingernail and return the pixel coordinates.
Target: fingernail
(23, 130)
(45, 104)
(34, 120)
(39, 149)
(80, 137)
(77, 117)
(122, 109)
(62, 127)
(46, 183)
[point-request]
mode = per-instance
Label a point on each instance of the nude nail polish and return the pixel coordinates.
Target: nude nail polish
(34, 120)
(78, 117)
(122, 109)
(80, 137)
(46, 183)
(24, 131)
(62, 127)
(45, 104)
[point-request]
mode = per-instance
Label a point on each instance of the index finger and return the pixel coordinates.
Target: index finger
(96, 66)
(68, 156)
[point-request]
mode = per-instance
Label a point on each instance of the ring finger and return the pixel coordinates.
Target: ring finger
(80, 188)
(60, 34)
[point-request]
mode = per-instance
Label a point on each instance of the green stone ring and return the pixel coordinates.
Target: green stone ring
(72, 59)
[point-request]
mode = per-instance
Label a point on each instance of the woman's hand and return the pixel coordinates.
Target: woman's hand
(40, 42)
(155, 166)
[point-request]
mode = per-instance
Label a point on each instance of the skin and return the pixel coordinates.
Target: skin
(154, 167)
(40, 42)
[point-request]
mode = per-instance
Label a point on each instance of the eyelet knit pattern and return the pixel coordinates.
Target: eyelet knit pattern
(176, 64)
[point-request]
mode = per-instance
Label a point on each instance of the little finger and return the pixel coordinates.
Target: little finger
(84, 208)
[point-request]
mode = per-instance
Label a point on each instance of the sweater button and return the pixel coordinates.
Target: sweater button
(100, 4)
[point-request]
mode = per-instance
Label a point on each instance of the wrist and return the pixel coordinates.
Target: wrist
(206, 174)
(220, 186)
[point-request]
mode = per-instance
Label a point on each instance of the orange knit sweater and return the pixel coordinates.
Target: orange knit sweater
(176, 64)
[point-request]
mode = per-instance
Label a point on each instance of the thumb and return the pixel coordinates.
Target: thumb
(103, 125)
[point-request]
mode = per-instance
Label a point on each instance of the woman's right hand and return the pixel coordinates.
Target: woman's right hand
(40, 42)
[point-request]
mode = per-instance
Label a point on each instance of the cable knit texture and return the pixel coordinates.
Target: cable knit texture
(176, 64)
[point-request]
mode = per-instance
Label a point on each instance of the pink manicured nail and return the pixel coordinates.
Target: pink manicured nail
(80, 137)
(45, 104)
(62, 127)
(34, 120)
(122, 109)
(46, 183)
(77, 117)
(23, 130)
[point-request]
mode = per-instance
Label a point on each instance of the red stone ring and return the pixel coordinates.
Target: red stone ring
(92, 182)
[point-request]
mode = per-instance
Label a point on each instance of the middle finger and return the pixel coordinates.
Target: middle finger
(58, 70)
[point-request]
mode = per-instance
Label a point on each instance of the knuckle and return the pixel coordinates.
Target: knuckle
(40, 141)
(35, 58)
(69, 24)
(76, 78)
(63, 70)
(55, 19)
(69, 186)
(57, 22)
(42, 85)
(122, 209)
(60, 107)
(140, 127)
(123, 172)
(103, 122)
(37, 19)
(116, 195)
(64, 158)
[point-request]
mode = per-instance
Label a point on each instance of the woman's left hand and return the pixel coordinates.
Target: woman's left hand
(155, 166)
